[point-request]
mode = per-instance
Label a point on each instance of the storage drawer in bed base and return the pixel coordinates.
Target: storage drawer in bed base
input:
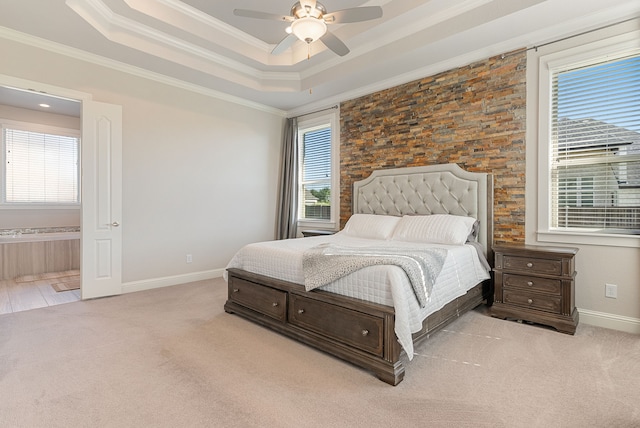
(266, 300)
(353, 328)
(376, 350)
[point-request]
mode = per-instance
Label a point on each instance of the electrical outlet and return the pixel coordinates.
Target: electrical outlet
(611, 290)
(189, 258)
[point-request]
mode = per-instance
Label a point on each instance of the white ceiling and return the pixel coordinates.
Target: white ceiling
(32, 100)
(200, 44)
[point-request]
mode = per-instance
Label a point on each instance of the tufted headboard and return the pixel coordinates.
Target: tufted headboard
(434, 189)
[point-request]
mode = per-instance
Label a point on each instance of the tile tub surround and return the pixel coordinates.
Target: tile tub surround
(33, 251)
(39, 234)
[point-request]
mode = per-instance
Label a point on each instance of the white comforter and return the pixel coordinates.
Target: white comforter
(386, 285)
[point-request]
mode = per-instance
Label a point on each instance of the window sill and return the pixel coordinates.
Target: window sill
(602, 239)
(316, 224)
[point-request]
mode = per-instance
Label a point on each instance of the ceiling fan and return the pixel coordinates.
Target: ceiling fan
(309, 19)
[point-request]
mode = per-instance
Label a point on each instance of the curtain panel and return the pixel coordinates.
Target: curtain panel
(287, 204)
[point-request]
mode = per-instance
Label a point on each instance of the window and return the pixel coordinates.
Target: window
(595, 146)
(317, 188)
(41, 165)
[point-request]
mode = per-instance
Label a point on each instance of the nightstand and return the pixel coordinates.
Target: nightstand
(537, 284)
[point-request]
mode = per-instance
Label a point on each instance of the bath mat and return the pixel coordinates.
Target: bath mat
(47, 275)
(67, 283)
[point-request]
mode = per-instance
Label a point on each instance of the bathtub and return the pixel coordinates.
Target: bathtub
(34, 253)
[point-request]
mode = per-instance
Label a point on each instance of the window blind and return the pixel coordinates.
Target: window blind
(315, 189)
(40, 167)
(595, 150)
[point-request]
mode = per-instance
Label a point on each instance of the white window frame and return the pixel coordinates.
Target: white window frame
(605, 45)
(305, 123)
(44, 129)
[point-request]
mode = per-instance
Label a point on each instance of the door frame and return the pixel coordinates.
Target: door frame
(84, 98)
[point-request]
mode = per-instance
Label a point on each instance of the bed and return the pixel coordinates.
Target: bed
(373, 314)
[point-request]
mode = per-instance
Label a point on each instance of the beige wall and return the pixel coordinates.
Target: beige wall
(199, 174)
(599, 260)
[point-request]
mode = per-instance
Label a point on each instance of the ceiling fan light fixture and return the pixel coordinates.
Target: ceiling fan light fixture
(308, 29)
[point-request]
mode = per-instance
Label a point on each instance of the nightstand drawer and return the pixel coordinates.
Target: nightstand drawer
(531, 264)
(543, 285)
(531, 300)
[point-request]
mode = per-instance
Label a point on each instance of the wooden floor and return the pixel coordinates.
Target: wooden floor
(22, 296)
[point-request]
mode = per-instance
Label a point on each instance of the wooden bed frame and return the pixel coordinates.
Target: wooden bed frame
(357, 331)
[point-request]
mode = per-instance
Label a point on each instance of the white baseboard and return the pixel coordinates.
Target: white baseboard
(614, 322)
(147, 284)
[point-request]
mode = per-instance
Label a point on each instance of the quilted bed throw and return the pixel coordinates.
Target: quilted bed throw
(326, 263)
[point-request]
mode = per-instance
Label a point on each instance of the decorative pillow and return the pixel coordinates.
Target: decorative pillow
(371, 226)
(435, 228)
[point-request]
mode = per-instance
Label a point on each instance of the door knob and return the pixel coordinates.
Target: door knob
(115, 224)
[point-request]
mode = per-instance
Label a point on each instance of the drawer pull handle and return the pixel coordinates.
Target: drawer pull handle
(235, 290)
(274, 304)
(301, 311)
(529, 265)
(529, 283)
(530, 301)
(365, 332)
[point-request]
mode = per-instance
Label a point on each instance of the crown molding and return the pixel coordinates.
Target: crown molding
(207, 28)
(133, 34)
(78, 54)
(187, 19)
(150, 7)
(434, 13)
(554, 32)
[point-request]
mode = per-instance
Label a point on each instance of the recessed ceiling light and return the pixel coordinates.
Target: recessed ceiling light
(44, 105)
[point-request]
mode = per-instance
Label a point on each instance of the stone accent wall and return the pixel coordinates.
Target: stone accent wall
(473, 116)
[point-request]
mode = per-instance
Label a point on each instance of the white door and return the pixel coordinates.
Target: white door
(101, 244)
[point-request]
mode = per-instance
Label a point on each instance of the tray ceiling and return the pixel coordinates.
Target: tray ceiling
(202, 44)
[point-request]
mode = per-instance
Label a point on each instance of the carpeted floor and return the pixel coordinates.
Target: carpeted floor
(171, 357)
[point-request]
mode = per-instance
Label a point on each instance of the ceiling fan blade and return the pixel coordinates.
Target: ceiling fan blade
(334, 43)
(261, 15)
(356, 14)
(284, 44)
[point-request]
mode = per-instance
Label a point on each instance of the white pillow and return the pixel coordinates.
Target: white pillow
(372, 226)
(435, 228)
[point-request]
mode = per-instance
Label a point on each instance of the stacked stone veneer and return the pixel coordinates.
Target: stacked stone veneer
(473, 116)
